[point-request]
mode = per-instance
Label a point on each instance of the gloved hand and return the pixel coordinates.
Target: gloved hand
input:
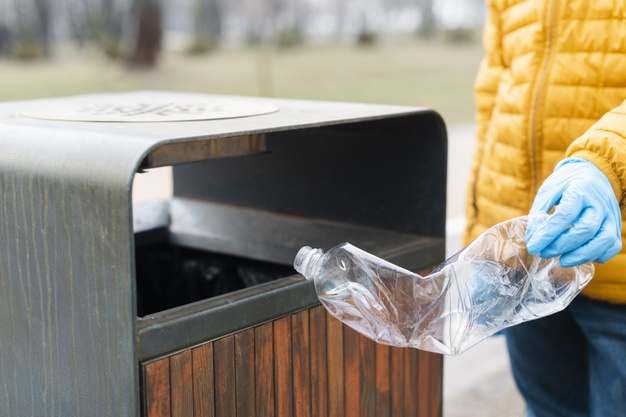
(586, 224)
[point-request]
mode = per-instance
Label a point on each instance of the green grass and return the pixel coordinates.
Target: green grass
(409, 72)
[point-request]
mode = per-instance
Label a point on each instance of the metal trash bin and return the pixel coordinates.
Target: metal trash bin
(88, 324)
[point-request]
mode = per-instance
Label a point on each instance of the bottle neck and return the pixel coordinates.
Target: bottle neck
(307, 261)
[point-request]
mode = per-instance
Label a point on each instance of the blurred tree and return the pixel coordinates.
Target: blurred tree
(148, 34)
(341, 16)
(267, 20)
(428, 21)
(6, 37)
(32, 37)
(366, 36)
(207, 28)
(44, 24)
(292, 24)
(76, 16)
(101, 23)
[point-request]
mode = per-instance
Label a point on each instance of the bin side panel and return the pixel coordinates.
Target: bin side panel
(288, 367)
(67, 320)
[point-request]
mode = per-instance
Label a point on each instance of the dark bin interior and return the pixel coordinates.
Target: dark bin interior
(170, 276)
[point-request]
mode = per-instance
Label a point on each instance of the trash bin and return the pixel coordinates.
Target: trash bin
(190, 307)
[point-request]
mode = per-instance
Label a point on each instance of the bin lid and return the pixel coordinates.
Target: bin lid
(142, 108)
(183, 116)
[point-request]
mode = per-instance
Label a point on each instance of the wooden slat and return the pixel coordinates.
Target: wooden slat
(397, 382)
(301, 354)
(244, 368)
(319, 370)
(436, 403)
(283, 376)
(264, 370)
(423, 380)
(411, 371)
(367, 359)
(383, 382)
(224, 365)
(352, 372)
(203, 381)
(181, 380)
(336, 381)
(157, 386)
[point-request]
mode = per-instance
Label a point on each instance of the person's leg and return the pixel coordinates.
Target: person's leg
(604, 325)
(549, 364)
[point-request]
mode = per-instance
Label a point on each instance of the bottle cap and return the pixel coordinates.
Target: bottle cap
(306, 261)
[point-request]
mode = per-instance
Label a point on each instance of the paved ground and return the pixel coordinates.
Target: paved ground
(477, 383)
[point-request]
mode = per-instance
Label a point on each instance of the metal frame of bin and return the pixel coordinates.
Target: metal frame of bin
(313, 173)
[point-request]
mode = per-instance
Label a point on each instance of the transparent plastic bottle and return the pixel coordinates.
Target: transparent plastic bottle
(492, 284)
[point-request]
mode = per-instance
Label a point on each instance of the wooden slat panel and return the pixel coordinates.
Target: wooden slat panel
(181, 384)
(352, 372)
(411, 371)
(283, 377)
(336, 383)
(224, 365)
(157, 386)
(264, 370)
(319, 370)
(203, 381)
(301, 364)
(367, 359)
(244, 368)
(305, 364)
(383, 382)
(397, 382)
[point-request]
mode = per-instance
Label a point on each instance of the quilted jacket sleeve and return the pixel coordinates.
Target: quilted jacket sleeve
(604, 144)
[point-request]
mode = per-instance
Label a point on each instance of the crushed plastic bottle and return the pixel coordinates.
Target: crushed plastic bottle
(492, 284)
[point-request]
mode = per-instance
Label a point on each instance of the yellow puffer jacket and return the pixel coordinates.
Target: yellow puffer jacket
(552, 84)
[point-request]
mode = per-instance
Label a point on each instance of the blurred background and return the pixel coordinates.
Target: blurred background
(403, 52)
(416, 52)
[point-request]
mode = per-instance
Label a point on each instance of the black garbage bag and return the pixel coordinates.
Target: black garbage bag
(170, 276)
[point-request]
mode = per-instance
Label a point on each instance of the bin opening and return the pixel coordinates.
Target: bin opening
(170, 276)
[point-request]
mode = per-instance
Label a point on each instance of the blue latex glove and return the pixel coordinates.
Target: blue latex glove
(586, 224)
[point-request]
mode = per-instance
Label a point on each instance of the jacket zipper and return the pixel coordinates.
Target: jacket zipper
(541, 81)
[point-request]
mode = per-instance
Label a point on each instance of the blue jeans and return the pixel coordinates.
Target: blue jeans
(572, 363)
